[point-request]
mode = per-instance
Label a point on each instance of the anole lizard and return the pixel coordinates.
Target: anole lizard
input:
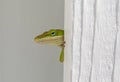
(52, 37)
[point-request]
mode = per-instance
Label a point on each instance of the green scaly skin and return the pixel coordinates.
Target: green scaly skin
(52, 37)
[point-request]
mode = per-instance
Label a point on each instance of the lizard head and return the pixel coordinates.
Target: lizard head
(51, 37)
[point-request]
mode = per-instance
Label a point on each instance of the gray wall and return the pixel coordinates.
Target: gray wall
(21, 59)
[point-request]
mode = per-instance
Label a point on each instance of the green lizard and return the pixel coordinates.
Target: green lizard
(52, 37)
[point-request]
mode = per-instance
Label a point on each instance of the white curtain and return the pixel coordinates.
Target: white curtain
(92, 52)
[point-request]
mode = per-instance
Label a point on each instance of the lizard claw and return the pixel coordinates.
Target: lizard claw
(63, 45)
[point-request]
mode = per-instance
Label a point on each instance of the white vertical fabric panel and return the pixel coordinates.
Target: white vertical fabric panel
(68, 44)
(89, 16)
(95, 41)
(77, 33)
(116, 72)
(105, 33)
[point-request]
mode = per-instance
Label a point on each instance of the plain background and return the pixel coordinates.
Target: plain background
(21, 59)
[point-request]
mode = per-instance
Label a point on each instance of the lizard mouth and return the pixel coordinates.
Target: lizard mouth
(51, 41)
(36, 39)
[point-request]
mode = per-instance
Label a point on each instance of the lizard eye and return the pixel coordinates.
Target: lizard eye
(53, 33)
